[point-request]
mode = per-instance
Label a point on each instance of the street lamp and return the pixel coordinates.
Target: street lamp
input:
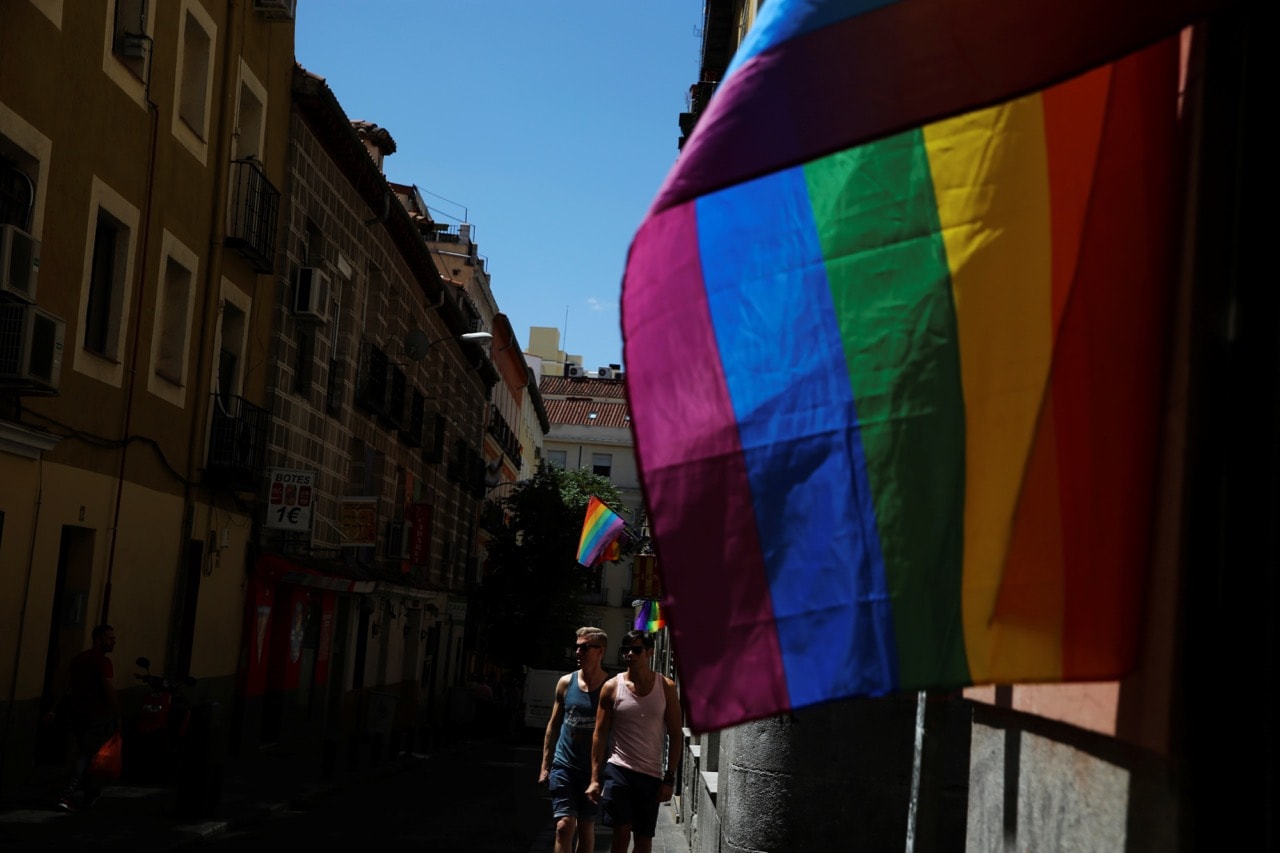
(416, 343)
(490, 489)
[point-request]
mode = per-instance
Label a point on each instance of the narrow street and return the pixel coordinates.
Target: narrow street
(484, 798)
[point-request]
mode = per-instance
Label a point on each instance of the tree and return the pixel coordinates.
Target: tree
(531, 599)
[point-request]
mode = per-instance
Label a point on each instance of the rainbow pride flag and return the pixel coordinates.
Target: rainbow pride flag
(914, 436)
(600, 531)
(649, 618)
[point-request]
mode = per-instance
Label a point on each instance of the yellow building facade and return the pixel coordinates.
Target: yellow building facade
(141, 147)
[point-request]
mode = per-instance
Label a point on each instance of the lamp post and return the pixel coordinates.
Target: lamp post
(416, 343)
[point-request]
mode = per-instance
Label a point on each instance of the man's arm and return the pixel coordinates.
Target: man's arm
(675, 739)
(553, 725)
(600, 739)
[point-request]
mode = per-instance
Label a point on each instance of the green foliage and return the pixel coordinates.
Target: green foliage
(531, 599)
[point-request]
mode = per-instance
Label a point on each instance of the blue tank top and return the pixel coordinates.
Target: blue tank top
(573, 749)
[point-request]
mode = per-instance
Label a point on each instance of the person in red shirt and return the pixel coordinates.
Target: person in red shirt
(93, 713)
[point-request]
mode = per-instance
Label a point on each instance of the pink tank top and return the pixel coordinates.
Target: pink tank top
(639, 728)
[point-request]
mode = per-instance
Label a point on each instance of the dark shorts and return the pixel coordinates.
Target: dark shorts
(630, 798)
(569, 794)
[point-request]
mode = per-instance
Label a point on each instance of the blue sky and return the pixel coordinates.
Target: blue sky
(548, 125)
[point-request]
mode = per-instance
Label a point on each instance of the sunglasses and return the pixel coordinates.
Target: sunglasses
(582, 647)
(633, 650)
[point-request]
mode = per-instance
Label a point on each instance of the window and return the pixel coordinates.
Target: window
(106, 284)
(232, 340)
(434, 442)
(194, 67)
(334, 387)
(397, 396)
(313, 248)
(558, 458)
(251, 109)
(412, 432)
(174, 313)
(130, 41)
(17, 195)
(102, 316)
(371, 378)
(127, 46)
(193, 79)
(23, 151)
(175, 303)
(601, 463)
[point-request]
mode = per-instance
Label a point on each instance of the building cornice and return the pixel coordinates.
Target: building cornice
(28, 443)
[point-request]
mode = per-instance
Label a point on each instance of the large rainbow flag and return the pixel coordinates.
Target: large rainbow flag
(601, 528)
(914, 436)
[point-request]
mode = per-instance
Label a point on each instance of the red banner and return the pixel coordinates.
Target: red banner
(420, 535)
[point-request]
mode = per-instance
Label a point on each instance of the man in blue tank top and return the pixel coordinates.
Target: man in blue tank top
(573, 722)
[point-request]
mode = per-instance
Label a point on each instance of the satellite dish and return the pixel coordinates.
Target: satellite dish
(415, 344)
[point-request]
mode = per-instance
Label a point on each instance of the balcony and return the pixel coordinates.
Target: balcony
(504, 436)
(237, 443)
(255, 204)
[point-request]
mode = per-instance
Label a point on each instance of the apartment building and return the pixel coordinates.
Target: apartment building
(138, 231)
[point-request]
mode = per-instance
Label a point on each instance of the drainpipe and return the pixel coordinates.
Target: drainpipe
(211, 315)
(131, 378)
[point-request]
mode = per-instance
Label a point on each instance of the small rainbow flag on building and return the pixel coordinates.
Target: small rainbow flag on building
(600, 531)
(914, 440)
(649, 617)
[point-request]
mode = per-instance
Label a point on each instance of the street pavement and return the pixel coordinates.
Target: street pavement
(478, 795)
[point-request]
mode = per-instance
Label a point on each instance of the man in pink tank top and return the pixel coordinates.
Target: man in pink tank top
(641, 710)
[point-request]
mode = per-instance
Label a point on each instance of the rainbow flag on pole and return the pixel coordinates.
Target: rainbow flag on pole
(649, 618)
(600, 531)
(914, 438)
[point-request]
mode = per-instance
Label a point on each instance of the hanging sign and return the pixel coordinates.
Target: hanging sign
(289, 500)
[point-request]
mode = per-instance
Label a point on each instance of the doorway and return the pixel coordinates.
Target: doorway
(68, 628)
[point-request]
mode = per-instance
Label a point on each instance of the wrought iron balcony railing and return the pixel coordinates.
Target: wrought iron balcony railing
(255, 204)
(237, 443)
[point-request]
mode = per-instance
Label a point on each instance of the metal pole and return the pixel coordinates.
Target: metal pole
(916, 763)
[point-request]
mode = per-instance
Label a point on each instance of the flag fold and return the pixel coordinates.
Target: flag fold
(914, 436)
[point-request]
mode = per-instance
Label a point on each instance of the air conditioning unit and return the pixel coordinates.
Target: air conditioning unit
(31, 341)
(275, 10)
(604, 373)
(311, 295)
(131, 45)
(574, 371)
(19, 263)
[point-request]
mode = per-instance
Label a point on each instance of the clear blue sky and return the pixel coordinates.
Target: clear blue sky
(548, 125)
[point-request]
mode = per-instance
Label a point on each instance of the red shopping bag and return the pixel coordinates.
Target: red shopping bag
(107, 761)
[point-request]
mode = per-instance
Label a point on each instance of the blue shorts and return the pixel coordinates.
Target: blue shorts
(569, 794)
(630, 799)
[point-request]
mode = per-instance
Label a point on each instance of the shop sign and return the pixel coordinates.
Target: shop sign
(289, 500)
(420, 535)
(358, 518)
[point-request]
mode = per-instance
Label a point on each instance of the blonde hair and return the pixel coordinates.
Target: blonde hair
(594, 634)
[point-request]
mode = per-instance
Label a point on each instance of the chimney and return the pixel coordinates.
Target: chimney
(377, 141)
